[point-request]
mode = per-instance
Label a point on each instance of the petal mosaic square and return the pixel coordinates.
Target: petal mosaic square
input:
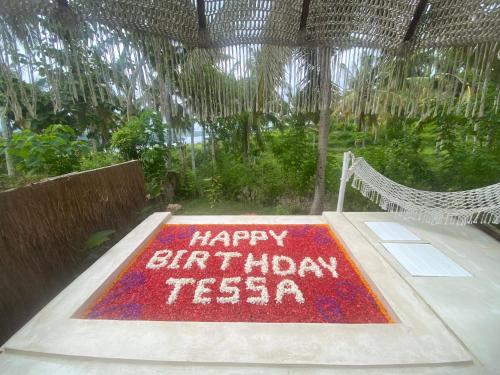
(241, 273)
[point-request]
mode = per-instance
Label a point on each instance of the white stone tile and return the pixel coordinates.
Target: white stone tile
(424, 260)
(391, 231)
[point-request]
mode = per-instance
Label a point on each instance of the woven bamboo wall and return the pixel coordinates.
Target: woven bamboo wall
(43, 229)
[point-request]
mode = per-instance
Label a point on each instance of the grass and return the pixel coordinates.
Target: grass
(354, 202)
(201, 206)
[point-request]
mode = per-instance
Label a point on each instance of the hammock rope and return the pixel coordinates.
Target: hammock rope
(480, 205)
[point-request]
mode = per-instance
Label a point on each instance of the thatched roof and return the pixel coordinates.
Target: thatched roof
(223, 56)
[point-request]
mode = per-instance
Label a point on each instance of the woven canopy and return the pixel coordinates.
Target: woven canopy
(344, 23)
(220, 57)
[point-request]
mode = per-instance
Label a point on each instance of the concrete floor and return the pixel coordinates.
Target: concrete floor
(446, 325)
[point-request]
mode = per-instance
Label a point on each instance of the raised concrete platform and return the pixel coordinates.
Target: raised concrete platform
(444, 326)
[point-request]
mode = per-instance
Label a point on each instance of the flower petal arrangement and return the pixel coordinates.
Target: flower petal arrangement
(241, 273)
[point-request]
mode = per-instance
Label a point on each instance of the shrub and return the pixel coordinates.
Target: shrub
(53, 152)
(130, 139)
(99, 159)
(155, 170)
(294, 150)
(213, 190)
(260, 180)
(142, 137)
(401, 161)
(138, 134)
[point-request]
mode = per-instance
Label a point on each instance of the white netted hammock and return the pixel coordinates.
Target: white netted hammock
(480, 205)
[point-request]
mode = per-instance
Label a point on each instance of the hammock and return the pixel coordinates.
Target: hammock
(460, 207)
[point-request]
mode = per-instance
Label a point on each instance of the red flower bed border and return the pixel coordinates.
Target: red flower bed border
(241, 273)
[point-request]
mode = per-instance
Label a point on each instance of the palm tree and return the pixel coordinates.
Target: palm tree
(324, 55)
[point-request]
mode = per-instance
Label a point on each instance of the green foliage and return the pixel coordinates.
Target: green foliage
(155, 170)
(444, 153)
(11, 182)
(98, 238)
(138, 134)
(213, 190)
(99, 159)
(285, 167)
(188, 184)
(130, 139)
(477, 168)
(142, 137)
(53, 152)
(469, 152)
(294, 149)
(260, 180)
(401, 161)
(3, 162)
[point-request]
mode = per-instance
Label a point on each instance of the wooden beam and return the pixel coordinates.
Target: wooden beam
(304, 15)
(412, 27)
(202, 19)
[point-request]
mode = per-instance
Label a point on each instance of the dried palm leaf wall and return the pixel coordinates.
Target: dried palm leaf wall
(215, 58)
(44, 226)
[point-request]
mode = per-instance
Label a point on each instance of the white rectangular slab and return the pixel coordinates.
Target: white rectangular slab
(422, 259)
(417, 338)
(391, 231)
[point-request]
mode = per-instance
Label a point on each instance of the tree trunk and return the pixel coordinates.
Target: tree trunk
(130, 105)
(324, 130)
(7, 133)
(362, 127)
(360, 121)
(171, 137)
(168, 116)
(181, 148)
(193, 160)
(212, 144)
(167, 120)
(246, 131)
(374, 126)
(254, 125)
(131, 89)
(203, 136)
